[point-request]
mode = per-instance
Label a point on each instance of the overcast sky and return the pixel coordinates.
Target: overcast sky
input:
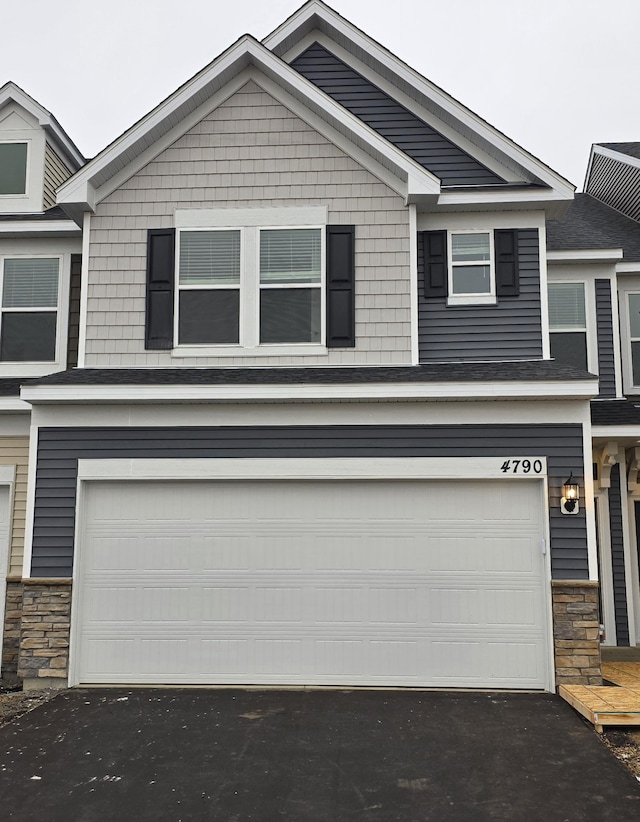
(553, 75)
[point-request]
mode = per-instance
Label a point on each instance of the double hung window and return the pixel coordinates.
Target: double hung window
(568, 323)
(250, 286)
(13, 168)
(471, 267)
(29, 308)
(634, 337)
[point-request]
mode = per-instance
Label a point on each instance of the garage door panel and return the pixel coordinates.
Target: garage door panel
(415, 583)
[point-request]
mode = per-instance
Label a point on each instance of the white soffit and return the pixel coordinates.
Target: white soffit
(200, 95)
(315, 15)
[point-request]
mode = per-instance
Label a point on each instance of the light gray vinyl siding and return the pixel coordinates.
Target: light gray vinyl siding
(615, 183)
(60, 448)
(604, 315)
(55, 173)
(250, 152)
(391, 120)
(509, 330)
(617, 559)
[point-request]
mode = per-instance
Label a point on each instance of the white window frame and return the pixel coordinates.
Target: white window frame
(591, 328)
(29, 368)
(25, 193)
(485, 298)
(625, 323)
(251, 222)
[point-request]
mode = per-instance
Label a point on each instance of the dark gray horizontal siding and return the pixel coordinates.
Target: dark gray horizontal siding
(509, 330)
(391, 120)
(60, 448)
(604, 316)
(617, 559)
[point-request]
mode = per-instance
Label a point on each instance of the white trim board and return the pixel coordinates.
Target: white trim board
(338, 468)
(578, 389)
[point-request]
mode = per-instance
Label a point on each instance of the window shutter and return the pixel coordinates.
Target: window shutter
(160, 285)
(506, 250)
(435, 263)
(341, 314)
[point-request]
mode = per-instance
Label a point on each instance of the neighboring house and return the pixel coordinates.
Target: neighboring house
(39, 257)
(315, 435)
(594, 302)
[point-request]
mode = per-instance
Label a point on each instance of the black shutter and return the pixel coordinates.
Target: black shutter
(506, 249)
(341, 280)
(435, 263)
(160, 285)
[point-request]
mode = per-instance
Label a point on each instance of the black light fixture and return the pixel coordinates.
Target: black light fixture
(570, 496)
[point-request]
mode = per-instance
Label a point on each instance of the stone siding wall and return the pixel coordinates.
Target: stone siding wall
(44, 632)
(11, 636)
(576, 633)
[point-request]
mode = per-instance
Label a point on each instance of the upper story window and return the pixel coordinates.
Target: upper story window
(568, 323)
(13, 168)
(634, 337)
(29, 309)
(471, 267)
(250, 286)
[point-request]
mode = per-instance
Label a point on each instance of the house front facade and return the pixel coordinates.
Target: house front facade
(316, 435)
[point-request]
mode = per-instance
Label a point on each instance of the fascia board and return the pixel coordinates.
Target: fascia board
(620, 156)
(587, 175)
(554, 204)
(628, 268)
(329, 18)
(615, 432)
(13, 404)
(560, 389)
(586, 255)
(80, 190)
(38, 228)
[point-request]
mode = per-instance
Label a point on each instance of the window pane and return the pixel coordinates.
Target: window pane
(289, 315)
(570, 348)
(13, 168)
(30, 283)
(471, 279)
(634, 314)
(209, 257)
(566, 305)
(635, 360)
(291, 255)
(28, 337)
(209, 317)
(468, 247)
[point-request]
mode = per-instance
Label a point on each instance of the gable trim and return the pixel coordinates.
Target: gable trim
(84, 190)
(316, 14)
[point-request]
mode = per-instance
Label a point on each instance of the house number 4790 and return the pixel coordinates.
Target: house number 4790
(521, 467)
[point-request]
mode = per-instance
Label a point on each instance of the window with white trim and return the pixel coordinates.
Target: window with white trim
(250, 286)
(634, 337)
(568, 323)
(13, 168)
(471, 267)
(29, 309)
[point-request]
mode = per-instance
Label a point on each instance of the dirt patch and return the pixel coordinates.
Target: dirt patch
(625, 745)
(16, 703)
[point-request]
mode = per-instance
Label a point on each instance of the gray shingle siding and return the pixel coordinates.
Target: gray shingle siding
(606, 362)
(617, 559)
(60, 448)
(509, 330)
(391, 120)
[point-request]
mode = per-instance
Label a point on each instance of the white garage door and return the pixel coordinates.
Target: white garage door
(312, 582)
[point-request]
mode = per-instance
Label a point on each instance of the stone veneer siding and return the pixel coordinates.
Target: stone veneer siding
(44, 632)
(11, 636)
(576, 633)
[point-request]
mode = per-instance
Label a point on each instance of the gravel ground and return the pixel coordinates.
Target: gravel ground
(625, 745)
(15, 703)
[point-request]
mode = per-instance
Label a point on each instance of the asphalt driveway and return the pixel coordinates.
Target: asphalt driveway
(237, 755)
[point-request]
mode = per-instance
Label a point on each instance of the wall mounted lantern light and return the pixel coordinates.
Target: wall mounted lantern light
(570, 496)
